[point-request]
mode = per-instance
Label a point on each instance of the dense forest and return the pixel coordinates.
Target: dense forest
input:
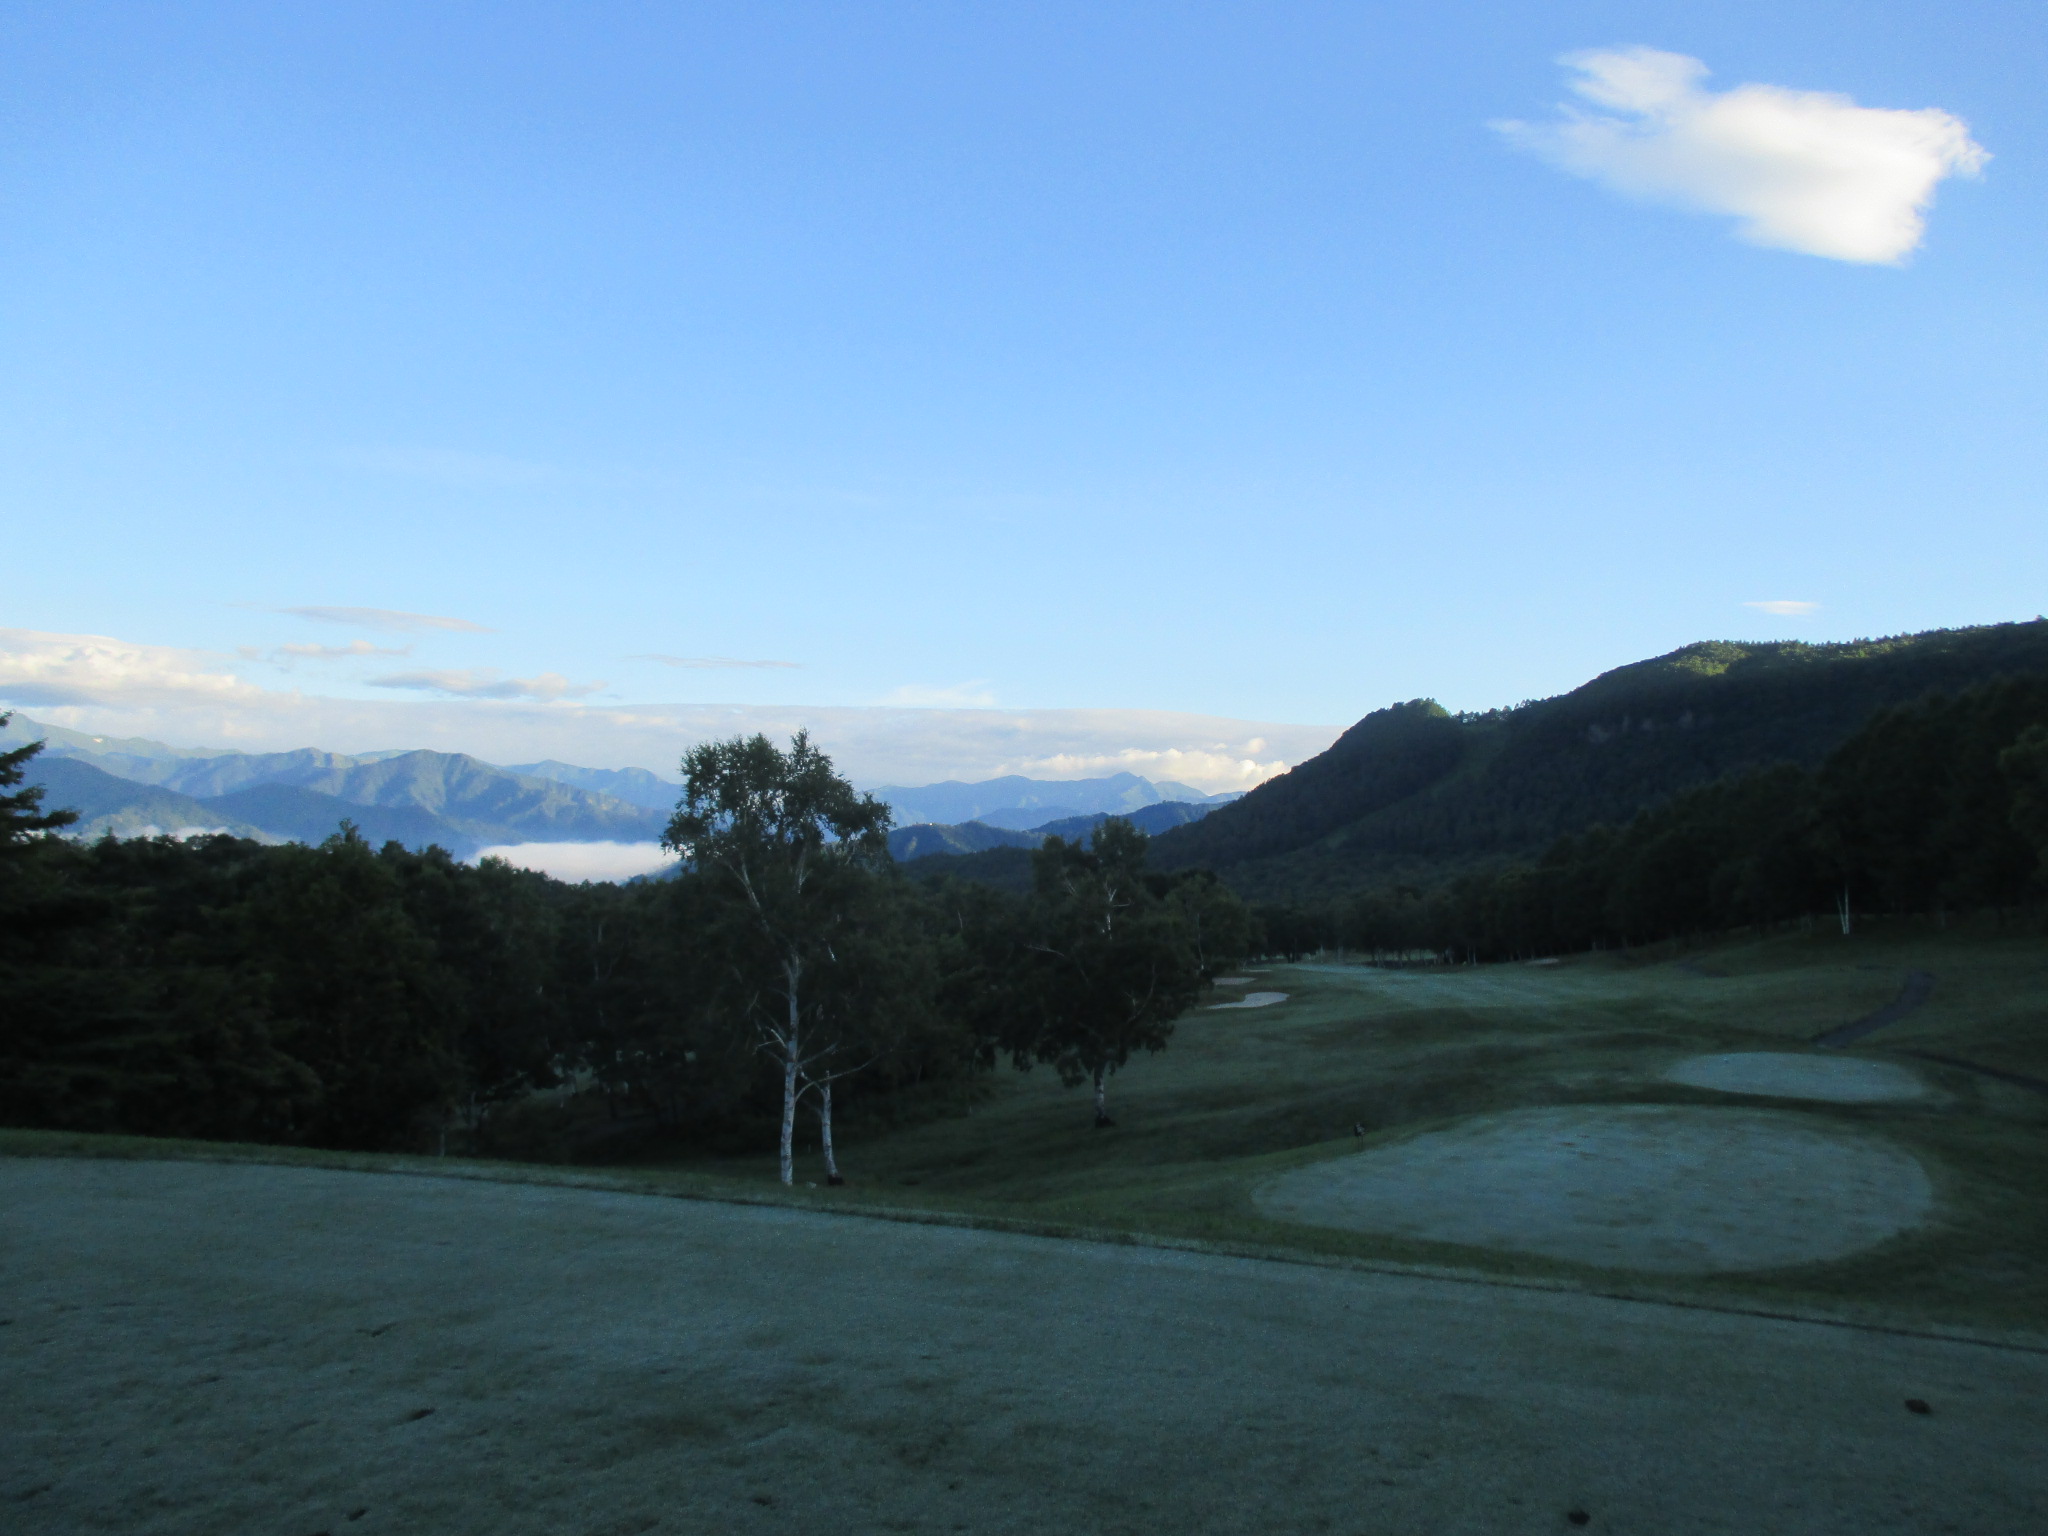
(1932, 807)
(350, 996)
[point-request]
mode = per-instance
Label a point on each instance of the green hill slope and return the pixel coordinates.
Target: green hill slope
(1414, 792)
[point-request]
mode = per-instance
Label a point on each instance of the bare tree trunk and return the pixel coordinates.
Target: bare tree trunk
(825, 1133)
(791, 1060)
(1101, 1094)
(1842, 911)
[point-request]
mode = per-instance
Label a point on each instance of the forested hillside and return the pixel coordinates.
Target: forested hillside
(1413, 793)
(1935, 807)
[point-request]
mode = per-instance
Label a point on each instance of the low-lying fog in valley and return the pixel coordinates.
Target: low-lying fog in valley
(584, 861)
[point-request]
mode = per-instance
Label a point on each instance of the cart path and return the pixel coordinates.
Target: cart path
(1919, 986)
(208, 1348)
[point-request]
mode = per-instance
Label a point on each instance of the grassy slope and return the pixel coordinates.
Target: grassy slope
(1244, 1094)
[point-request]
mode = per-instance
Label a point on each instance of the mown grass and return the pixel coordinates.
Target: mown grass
(1243, 1094)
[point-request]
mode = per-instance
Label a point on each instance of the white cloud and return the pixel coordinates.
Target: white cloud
(710, 663)
(45, 669)
(1807, 171)
(1784, 607)
(386, 618)
(485, 683)
(974, 695)
(111, 687)
(1214, 768)
(577, 862)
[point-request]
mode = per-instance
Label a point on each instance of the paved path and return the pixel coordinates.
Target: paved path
(219, 1349)
(1918, 988)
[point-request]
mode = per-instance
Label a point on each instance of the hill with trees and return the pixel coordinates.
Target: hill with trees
(1414, 794)
(1932, 808)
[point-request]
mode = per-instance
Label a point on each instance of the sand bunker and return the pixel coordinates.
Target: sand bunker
(1783, 1075)
(1253, 1000)
(1638, 1186)
(1233, 981)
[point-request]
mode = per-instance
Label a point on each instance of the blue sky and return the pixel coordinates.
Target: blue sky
(1219, 360)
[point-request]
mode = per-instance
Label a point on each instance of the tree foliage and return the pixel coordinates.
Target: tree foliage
(1100, 964)
(790, 850)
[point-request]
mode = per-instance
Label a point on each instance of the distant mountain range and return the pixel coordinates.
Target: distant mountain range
(926, 840)
(131, 787)
(1415, 793)
(1021, 804)
(635, 786)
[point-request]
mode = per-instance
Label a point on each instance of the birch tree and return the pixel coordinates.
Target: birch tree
(790, 847)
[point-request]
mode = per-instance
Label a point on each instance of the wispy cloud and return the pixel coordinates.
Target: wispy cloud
(287, 655)
(1784, 607)
(484, 683)
(387, 619)
(1807, 171)
(709, 663)
(974, 695)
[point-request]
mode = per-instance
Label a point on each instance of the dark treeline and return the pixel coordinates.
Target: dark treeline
(348, 996)
(1935, 807)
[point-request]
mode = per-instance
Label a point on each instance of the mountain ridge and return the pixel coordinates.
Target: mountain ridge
(1414, 792)
(922, 840)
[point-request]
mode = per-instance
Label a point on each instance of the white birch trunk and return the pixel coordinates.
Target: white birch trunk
(825, 1133)
(1101, 1097)
(791, 1060)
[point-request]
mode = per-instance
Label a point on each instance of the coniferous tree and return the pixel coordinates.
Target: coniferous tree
(21, 814)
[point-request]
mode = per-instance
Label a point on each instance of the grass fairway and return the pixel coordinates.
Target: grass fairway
(1242, 1096)
(1245, 1096)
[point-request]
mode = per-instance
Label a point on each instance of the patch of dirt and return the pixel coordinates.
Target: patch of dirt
(1657, 1188)
(1785, 1075)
